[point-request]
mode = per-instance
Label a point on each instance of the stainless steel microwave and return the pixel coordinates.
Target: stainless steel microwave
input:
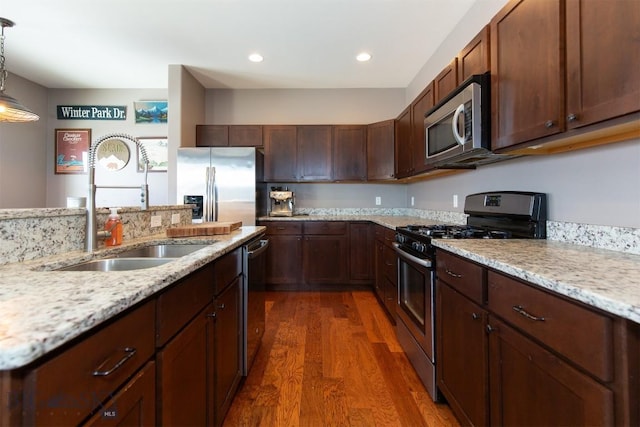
(457, 129)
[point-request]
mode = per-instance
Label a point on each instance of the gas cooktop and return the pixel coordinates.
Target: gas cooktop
(443, 231)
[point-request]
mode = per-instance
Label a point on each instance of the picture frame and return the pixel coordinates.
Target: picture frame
(151, 111)
(71, 151)
(157, 149)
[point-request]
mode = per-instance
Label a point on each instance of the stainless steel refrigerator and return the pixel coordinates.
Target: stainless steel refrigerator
(224, 183)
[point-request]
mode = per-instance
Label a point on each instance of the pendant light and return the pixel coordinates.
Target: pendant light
(10, 109)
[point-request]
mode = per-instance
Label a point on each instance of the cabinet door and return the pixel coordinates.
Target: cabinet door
(212, 135)
(419, 107)
(245, 136)
(360, 253)
(446, 81)
(228, 348)
(280, 153)
(474, 58)
(349, 152)
(380, 283)
(462, 355)
(528, 72)
(284, 261)
(134, 405)
(315, 153)
(185, 369)
(531, 386)
(603, 59)
(380, 150)
(325, 259)
(403, 148)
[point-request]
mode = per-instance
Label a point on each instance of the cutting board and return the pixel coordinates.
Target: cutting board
(205, 229)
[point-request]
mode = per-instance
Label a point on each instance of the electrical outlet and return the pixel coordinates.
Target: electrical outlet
(156, 221)
(378, 200)
(175, 218)
(455, 200)
(413, 201)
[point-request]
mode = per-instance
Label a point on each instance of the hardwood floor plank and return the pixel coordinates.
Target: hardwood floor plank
(332, 359)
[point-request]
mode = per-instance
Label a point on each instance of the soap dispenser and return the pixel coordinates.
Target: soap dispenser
(113, 226)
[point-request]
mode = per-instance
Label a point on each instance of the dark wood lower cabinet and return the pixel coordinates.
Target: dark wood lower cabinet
(134, 405)
(227, 348)
(462, 355)
(325, 259)
(531, 386)
(185, 370)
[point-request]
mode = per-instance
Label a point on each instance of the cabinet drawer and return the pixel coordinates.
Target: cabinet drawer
(182, 302)
(465, 276)
(226, 269)
(64, 390)
(581, 335)
(325, 227)
(283, 227)
(389, 236)
(379, 232)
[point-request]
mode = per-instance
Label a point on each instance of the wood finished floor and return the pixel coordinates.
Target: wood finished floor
(332, 359)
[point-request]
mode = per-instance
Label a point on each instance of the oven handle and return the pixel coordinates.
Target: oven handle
(423, 262)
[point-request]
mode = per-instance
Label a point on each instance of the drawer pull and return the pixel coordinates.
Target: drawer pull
(452, 274)
(129, 353)
(475, 316)
(518, 309)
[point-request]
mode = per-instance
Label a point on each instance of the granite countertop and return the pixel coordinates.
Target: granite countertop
(601, 278)
(389, 221)
(43, 309)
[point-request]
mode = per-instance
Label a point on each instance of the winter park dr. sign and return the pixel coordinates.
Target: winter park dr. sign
(92, 112)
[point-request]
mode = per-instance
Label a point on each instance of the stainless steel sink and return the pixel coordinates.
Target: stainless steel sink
(117, 264)
(161, 251)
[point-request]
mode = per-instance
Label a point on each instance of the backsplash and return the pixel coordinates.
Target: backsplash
(27, 234)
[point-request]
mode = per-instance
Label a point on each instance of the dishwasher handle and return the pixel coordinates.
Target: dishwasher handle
(255, 251)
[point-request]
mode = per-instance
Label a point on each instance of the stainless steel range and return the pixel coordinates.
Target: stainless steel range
(491, 215)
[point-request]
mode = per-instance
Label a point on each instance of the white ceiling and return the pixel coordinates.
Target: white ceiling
(305, 43)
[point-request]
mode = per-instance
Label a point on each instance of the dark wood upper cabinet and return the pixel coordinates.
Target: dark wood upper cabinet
(228, 135)
(419, 107)
(403, 154)
(603, 60)
(349, 153)
(315, 153)
(475, 57)
(281, 148)
(212, 135)
(380, 150)
(446, 81)
(245, 136)
(528, 72)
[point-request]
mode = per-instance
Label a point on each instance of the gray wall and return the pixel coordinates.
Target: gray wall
(23, 150)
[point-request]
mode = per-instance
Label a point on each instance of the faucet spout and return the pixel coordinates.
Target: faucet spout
(91, 230)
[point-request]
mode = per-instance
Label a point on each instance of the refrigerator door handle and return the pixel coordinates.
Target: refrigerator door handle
(214, 195)
(209, 202)
(205, 202)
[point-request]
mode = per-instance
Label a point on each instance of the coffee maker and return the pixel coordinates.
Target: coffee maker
(282, 201)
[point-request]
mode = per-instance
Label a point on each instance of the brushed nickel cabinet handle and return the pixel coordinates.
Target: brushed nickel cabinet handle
(572, 117)
(521, 311)
(475, 316)
(129, 353)
(548, 124)
(452, 274)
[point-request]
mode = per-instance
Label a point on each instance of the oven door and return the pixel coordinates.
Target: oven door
(415, 298)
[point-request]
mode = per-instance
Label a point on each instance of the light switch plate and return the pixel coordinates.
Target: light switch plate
(156, 221)
(175, 218)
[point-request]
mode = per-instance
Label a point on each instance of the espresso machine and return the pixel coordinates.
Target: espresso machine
(282, 201)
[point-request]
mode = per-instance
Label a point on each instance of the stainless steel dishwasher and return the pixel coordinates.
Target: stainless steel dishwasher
(254, 264)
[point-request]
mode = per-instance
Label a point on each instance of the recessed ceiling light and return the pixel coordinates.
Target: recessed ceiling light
(363, 57)
(255, 57)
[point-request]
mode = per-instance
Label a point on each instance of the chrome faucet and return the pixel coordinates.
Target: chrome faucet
(91, 230)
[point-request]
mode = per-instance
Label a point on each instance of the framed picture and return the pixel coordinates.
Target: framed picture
(151, 111)
(72, 150)
(157, 153)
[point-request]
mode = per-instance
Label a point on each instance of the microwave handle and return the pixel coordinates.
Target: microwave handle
(454, 124)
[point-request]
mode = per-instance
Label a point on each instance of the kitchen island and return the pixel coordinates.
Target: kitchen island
(42, 309)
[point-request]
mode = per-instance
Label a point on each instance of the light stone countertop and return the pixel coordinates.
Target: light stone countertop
(41, 309)
(601, 278)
